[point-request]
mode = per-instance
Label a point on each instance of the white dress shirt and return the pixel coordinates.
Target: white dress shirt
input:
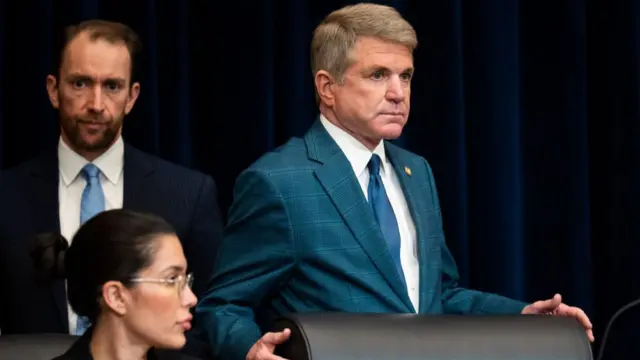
(359, 156)
(72, 184)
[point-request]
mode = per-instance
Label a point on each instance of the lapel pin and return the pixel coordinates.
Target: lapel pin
(407, 170)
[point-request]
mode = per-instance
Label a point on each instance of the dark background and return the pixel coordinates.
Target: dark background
(526, 110)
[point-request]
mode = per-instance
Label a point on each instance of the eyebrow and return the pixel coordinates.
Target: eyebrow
(87, 77)
(408, 70)
(384, 68)
(173, 268)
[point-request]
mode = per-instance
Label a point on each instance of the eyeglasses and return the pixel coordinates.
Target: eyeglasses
(180, 282)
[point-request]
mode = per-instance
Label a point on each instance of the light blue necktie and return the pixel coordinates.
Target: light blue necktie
(92, 204)
(384, 213)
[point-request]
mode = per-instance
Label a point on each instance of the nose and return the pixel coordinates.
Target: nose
(396, 89)
(189, 299)
(96, 103)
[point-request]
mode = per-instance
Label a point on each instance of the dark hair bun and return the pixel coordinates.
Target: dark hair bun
(47, 252)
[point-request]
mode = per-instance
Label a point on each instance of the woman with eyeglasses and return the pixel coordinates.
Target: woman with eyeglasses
(125, 274)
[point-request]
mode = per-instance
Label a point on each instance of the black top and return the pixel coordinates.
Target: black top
(80, 350)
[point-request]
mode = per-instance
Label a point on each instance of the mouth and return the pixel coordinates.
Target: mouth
(186, 323)
(92, 124)
(393, 113)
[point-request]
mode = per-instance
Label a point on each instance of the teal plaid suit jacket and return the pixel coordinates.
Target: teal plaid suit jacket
(302, 237)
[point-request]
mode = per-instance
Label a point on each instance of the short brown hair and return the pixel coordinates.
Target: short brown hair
(112, 32)
(335, 37)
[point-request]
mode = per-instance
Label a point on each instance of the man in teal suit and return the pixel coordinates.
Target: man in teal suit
(342, 220)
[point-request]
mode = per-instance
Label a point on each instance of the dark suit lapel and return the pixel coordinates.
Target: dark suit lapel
(337, 178)
(409, 174)
(137, 168)
(43, 202)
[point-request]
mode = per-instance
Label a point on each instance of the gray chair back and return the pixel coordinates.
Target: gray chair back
(339, 336)
(34, 346)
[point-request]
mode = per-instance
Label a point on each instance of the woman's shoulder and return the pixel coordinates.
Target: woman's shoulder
(161, 354)
(64, 357)
(79, 350)
(72, 356)
(157, 354)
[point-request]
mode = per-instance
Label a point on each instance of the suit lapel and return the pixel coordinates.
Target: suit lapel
(43, 201)
(137, 168)
(341, 185)
(408, 173)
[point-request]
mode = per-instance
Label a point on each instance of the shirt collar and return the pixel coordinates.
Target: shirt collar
(357, 154)
(110, 163)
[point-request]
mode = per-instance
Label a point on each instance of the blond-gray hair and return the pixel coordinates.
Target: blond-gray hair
(335, 37)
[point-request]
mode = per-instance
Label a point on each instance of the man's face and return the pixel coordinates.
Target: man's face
(373, 101)
(93, 93)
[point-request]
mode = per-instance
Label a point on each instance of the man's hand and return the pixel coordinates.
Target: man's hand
(554, 306)
(263, 349)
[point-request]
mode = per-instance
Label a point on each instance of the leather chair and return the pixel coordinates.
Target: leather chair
(333, 336)
(34, 346)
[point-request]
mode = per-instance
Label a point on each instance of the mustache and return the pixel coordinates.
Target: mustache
(99, 120)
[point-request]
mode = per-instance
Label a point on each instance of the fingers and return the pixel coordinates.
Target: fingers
(582, 317)
(579, 315)
(276, 338)
(264, 348)
(549, 305)
(554, 306)
(555, 301)
(576, 313)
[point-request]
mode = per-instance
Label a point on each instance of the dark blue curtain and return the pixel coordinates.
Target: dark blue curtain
(526, 110)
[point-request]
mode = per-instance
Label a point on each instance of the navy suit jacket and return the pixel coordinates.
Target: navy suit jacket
(301, 237)
(29, 205)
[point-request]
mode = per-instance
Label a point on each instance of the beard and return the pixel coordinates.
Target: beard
(90, 140)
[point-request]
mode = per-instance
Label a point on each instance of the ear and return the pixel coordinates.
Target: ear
(52, 91)
(133, 96)
(325, 87)
(115, 297)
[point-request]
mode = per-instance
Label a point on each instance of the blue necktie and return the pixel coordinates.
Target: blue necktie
(384, 213)
(92, 204)
(92, 196)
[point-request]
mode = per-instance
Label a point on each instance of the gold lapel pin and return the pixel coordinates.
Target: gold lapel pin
(407, 170)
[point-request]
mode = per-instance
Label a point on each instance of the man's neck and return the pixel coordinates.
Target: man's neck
(369, 143)
(90, 156)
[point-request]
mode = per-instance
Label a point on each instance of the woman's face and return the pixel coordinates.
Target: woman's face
(159, 311)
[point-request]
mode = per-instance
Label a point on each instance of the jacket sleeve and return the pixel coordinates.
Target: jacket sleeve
(255, 258)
